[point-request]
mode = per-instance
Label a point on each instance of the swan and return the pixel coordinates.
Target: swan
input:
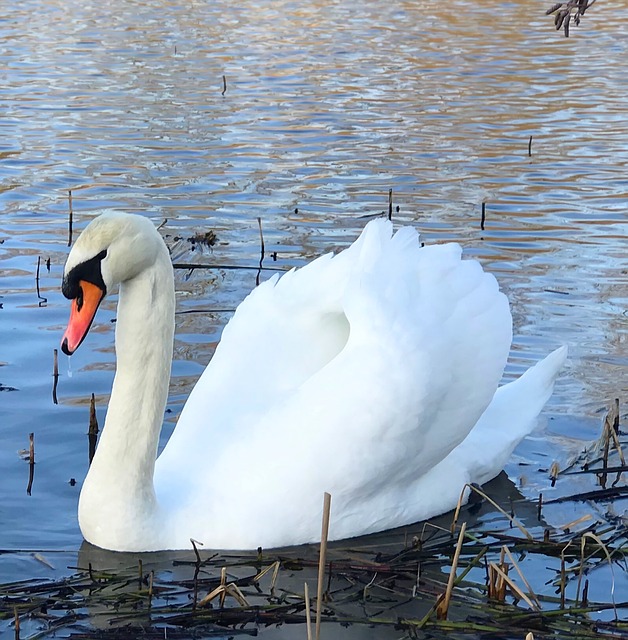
(371, 374)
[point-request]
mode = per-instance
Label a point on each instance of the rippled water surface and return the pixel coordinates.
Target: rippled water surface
(328, 105)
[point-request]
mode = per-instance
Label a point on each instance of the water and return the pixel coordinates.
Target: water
(327, 106)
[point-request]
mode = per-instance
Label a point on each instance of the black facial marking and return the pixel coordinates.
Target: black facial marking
(90, 271)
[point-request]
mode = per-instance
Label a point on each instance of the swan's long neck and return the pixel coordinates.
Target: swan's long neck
(121, 473)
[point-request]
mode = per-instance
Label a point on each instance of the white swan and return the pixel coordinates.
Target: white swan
(361, 374)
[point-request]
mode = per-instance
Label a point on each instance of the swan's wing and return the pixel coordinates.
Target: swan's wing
(358, 371)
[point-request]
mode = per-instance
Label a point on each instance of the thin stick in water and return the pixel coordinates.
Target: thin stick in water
(262, 252)
(55, 375)
(70, 217)
(390, 204)
(530, 147)
(31, 462)
(197, 569)
(483, 220)
(224, 85)
(321, 561)
(92, 431)
(42, 300)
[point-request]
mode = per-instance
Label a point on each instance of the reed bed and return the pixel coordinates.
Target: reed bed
(498, 576)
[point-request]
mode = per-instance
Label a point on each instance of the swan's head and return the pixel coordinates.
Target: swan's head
(113, 248)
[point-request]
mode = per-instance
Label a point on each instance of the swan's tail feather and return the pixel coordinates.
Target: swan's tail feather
(509, 418)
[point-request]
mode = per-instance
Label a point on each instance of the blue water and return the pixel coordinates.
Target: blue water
(327, 106)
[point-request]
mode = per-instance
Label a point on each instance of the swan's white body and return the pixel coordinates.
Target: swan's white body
(371, 375)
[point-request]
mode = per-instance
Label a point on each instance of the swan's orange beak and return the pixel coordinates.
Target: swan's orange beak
(82, 313)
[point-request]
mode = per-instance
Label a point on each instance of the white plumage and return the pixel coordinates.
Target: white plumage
(362, 374)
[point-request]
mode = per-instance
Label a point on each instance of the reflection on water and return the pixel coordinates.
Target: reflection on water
(328, 105)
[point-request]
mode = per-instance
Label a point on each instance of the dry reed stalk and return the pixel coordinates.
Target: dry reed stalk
(563, 575)
(151, 579)
(223, 584)
(16, 616)
(443, 607)
(570, 525)
(604, 548)
(533, 595)
(221, 591)
(504, 580)
(308, 613)
(321, 561)
(511, 518)
(368, 586)
(275, 566)
(197, 569)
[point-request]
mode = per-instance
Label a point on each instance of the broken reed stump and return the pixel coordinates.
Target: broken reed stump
(390, 204)
(92, 431)
(483, 219)
(224, 85)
